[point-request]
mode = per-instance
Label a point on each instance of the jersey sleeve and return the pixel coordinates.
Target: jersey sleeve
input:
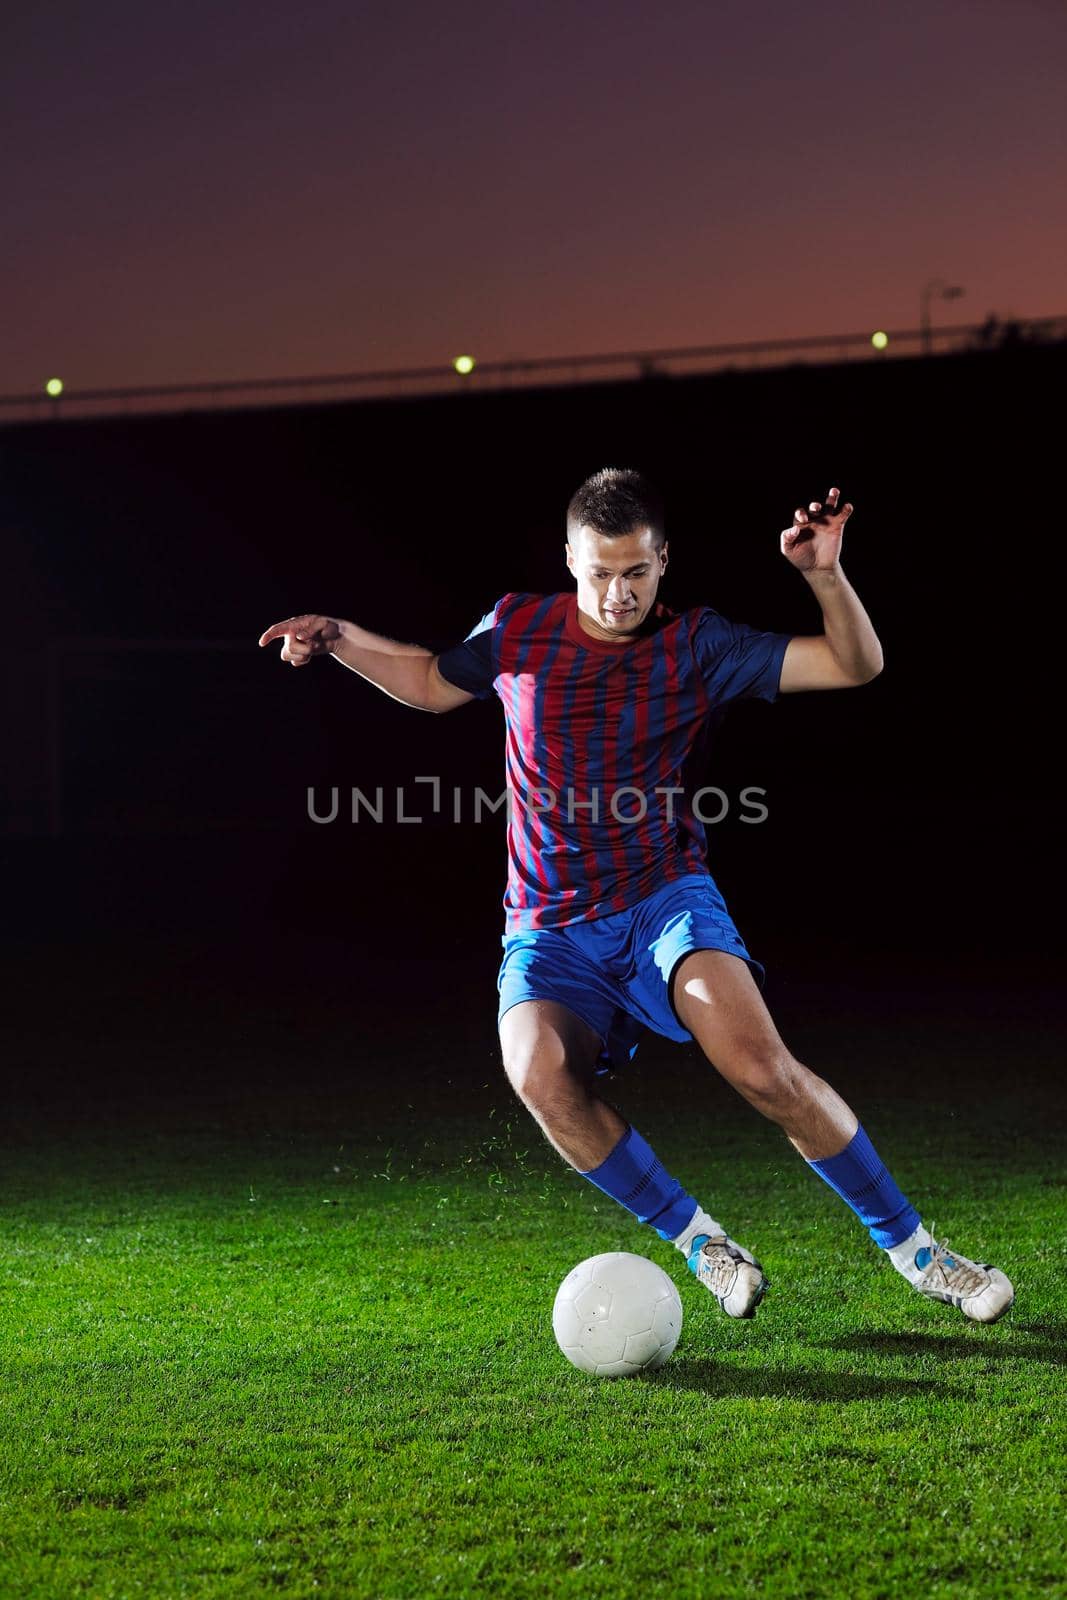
(737, 662)
(471, 665)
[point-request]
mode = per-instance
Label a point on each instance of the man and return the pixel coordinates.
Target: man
(613, 923)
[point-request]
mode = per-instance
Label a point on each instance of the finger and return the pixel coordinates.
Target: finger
(280, 629)
(800, 515)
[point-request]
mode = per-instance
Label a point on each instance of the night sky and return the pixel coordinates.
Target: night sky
(247, 190)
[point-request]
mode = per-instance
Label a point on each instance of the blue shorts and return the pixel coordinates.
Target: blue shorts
(615, 972)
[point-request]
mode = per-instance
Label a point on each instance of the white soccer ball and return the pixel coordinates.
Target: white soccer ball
(617, 1314)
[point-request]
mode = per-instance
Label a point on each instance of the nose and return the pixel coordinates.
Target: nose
(618, 592)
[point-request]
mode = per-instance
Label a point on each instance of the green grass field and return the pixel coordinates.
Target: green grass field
(284, 1329)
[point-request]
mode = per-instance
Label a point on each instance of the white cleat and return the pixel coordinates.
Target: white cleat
(983, 1293)
(734, 1277)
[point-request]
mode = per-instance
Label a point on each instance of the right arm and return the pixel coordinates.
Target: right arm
(405, 672)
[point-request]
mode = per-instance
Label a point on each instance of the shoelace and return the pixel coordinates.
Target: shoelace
(722, 1266)
(963, 1277)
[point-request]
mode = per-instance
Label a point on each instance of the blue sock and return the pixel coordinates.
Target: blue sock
(860, 1177)
(634, 1176)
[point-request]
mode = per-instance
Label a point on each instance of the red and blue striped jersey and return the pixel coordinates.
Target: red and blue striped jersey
(600, 740)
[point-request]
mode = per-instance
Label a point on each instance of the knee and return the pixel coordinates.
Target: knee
(537, 1069)
(772, 1081)
(549, 1054)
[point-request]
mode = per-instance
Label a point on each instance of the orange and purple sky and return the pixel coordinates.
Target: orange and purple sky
(254, 190)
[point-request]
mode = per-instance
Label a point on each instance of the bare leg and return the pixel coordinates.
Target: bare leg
(549, 1055)
(716, 998)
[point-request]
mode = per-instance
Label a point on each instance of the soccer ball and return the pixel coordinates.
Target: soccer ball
(617, 1314)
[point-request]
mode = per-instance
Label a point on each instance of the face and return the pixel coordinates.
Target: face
(617, 579)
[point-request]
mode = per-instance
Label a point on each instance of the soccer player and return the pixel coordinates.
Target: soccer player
(613, 922)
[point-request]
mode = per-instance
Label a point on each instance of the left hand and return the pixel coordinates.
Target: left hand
(813, 543)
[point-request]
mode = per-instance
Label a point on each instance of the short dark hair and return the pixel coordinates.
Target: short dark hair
(616, 501)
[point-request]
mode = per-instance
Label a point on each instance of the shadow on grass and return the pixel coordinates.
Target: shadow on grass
(1050, 1346)
(1049, 1328)
(734, 1383)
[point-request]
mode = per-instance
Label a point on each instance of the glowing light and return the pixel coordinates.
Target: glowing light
(54, 387)
(879, 340)
(464, 364)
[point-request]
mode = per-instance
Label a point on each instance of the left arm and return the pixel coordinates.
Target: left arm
(847, 653)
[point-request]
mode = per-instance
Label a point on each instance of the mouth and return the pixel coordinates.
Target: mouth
(620, 611)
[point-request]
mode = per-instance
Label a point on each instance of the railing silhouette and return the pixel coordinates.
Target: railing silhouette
(541, 371)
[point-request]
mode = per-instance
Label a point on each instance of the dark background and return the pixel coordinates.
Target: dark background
(158, 762)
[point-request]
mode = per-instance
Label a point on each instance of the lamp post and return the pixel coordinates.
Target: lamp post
(946, 291)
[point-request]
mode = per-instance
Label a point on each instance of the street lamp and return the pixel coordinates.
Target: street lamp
(946, 291)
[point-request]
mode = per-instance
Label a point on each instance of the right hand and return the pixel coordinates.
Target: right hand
(304, 637)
